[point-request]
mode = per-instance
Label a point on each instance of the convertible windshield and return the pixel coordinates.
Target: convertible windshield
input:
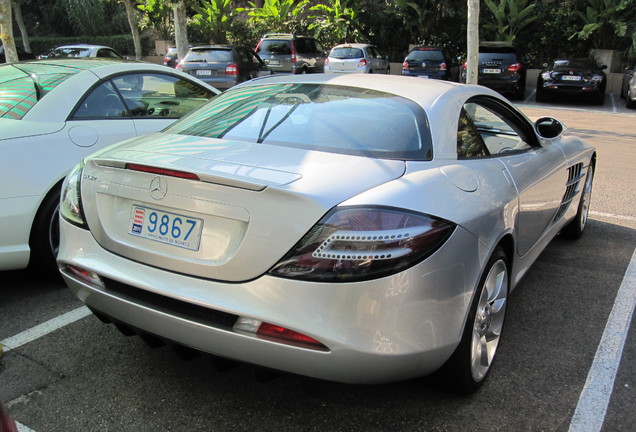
(329, 118)
(23, 85)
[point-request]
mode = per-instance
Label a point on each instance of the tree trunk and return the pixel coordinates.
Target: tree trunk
(180, 28)
(133, 21)
(17, 11)
(472, 42)
(6, 29)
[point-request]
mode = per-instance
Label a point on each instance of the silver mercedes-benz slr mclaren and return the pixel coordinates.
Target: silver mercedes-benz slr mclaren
(354, 228)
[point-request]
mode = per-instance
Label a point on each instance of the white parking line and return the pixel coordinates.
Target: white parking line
(44, 328)
(23, 428)
(592, 406)
(612, 216)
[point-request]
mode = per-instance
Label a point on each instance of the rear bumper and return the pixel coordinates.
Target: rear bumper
(383, 330)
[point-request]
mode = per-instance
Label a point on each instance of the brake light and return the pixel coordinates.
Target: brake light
(162, 171)
(442, 66)
(231, 69)
(326, 61)
(293, 53)
(405, 65)
(465, 65)
(514, 67)
(361, 243)
(179, 66)
(277, 333)
(362, 63)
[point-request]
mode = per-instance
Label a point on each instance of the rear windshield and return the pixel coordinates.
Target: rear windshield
(69, 52)
(23, 85)
(512, 57)
(575, 64)
(209, 55)
(329, 118)
(425, 55)
(346, 53)
(275, 47)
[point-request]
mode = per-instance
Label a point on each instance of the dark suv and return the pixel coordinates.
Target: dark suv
(289, 53)
(501, 69)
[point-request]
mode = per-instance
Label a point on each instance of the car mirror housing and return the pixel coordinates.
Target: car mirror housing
(548, 127)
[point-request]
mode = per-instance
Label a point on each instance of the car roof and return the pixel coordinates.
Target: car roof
(353, 45)
(83, 46)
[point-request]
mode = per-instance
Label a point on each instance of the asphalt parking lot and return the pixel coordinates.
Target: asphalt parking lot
(567, 361)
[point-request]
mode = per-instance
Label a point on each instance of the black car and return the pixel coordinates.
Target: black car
(500, 68)
(171, 58)
(430, 62)
(22, 54)
(223, 66)
(572, 78)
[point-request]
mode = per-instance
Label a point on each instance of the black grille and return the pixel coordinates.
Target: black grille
(575, 173)
(185, 310)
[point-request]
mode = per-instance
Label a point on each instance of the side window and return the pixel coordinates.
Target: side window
(103, 52)
(245, 59)
(497, 130)
(102, 102)
(303, 46)
(156, 95)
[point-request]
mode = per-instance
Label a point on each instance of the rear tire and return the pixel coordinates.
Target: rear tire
(45, 234)
(575, 228)
(471, 362)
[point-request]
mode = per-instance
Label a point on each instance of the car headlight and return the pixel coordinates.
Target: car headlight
(360, 243)
(71, 202)
(546, 76)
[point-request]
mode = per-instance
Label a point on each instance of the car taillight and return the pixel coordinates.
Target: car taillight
(361, 243)
(362, 63)
(514, 67)
(326, 61)
(405, 65)
(179, 66)
(231, 69)
(465, 65)
(277, 333)
(71, 208)
(293, 53)
(442, 66)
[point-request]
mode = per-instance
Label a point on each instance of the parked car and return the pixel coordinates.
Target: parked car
(223, 66)
(572, 78)
(55, 112)
(431, 62)
(22, 54)
(356, 228)
(84, 50)
(171, 59)
(7, 424)
(355, 57)
(628, 87)
(500, 68)
(290, 53)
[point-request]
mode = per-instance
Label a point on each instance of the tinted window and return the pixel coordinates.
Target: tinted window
(346, 53)
(70, 52)
(102, 102)
(425, 55)
(318, 117)
(22, 86)
(209, 55)
(275, 47)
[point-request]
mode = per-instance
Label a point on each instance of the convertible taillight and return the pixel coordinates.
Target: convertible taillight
(361, 243)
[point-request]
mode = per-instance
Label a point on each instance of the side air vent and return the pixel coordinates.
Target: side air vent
(575, 174)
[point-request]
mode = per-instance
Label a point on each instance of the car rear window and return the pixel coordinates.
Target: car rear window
(331, 118)
(69, 52)
(420, 55)
(23, 85)
(346, 53)
(277, 47)
(209, 55)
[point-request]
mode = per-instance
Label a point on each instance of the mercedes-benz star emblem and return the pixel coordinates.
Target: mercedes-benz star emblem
(158, 187)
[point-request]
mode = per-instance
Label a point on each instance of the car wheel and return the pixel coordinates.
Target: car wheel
(574, 229)
(471, 362)
(45, 234)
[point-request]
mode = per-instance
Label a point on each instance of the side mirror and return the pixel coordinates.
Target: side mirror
(548, 127)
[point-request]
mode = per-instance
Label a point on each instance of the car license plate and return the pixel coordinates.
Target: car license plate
(273, 62)
(423, 76)
(204, 72)
(571, 78)
(492, 71)
(164, 227)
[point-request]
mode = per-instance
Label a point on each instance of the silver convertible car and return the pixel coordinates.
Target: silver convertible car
(355, 228)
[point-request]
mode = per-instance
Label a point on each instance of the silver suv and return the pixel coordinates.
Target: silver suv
(290, 53)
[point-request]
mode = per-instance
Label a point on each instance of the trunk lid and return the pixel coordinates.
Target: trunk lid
(250, 205)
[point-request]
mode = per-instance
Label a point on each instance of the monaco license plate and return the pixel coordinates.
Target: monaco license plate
(165, 227)
(492, 71)
(571, 78)
(205, 72)
(273, 62)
